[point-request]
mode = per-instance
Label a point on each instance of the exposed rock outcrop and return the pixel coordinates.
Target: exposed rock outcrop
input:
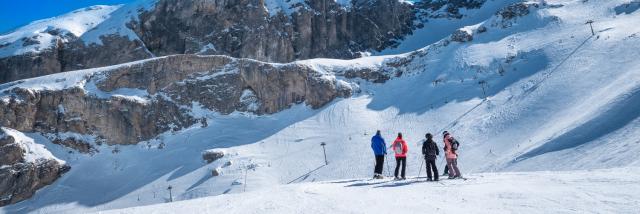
(445, 8)
(242, 28)
(168, 88)
(71, 55)
(212, 155)
(77, 145)
(22, 170)
(321, 28)
(462, 35)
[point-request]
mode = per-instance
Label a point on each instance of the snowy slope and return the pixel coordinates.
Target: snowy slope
(42, 34)
(557, 98)
(88, 24)
(436, 29)
(600, 191)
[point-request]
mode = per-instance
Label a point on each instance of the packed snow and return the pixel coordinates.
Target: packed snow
(598, 191)
(534, 93)
(117, 24)
(436, 29)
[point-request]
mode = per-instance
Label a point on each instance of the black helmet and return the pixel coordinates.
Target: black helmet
(445, 133)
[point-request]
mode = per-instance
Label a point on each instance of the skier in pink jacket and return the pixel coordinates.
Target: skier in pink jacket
(400, 148)
(451, 147)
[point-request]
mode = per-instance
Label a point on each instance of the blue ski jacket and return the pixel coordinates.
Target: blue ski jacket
(378, 145)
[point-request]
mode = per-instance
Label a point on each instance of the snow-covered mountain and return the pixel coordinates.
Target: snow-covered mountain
(273, 31)
(526, 87)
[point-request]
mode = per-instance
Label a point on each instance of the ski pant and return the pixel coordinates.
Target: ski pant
(403, 161)
(431, 165)
(446, 169)
(453, 167)
(379, 164)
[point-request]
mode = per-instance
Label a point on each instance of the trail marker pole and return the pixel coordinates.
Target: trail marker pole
(244, 188)
(324, 151)
(170, 195)
(590, 22)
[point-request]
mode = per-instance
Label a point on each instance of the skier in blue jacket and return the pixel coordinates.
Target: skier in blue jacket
(379, 150)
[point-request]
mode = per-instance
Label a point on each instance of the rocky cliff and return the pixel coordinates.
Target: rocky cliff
(135, 102)
(243, 28)
(24, 167)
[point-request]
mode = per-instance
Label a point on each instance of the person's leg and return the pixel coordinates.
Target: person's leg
(455, 167)
(429, 176)
(435, 169)
(452, 172)
(375, 168)
(404, 166)
(397, 167)
(379, 160)
(446, 169)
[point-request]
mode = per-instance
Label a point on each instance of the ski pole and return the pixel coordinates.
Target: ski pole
(420, 171)
(387, 163)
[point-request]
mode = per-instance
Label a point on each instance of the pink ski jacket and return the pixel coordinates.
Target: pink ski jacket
(449, 153)
(402, 143)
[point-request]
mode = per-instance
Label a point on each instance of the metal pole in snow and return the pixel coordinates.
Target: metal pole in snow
(245, 179)
(324, 151)
(590, 22)
(170, 195)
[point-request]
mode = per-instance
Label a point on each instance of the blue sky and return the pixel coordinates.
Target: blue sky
(16, 13)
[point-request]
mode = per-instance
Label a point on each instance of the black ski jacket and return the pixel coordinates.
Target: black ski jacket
(430, 149)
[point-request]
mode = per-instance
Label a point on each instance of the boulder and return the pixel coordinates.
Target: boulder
(461, 35)
(212, 155)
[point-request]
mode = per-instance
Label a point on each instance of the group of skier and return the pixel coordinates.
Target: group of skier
(430, 151)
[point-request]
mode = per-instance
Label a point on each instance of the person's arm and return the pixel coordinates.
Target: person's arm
(437, 149)
(424, 148)
(384, 146)
(406, 148)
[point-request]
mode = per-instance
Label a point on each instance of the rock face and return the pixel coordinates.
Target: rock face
(446, 8)
(510, 14)
(167, 88)
(76, 144)
(242, 28)
(461, 35)
(319, 28)
(71, 55)
(19, 177)
(212, 155)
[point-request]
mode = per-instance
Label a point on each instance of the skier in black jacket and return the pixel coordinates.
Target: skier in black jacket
(430, 151)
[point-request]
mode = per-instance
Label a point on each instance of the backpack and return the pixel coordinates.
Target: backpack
(454, 144)
(397, 147)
